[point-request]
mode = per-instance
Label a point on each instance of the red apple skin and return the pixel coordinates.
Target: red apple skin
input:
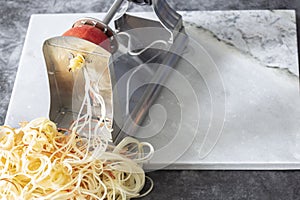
(91, 34)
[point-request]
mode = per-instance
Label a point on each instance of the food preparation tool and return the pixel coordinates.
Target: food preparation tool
(100, 45)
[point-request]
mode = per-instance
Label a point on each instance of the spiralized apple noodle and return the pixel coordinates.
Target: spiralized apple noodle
(40, 161)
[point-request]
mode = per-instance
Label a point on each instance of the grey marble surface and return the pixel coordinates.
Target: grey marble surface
(168, 184)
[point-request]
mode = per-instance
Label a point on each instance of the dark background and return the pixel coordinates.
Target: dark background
(168, 184)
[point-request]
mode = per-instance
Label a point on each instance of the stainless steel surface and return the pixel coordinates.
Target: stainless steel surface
(170, 21)
(66, 88)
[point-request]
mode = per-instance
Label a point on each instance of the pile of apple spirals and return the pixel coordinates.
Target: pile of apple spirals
(40, 161)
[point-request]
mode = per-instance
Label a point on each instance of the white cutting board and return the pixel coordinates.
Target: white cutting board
(256, 55)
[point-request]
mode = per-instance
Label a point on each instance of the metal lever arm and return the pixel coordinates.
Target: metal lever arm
(117, 4)
(112, 11)
(167, 16)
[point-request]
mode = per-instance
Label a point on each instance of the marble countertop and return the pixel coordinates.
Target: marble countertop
(168, 184)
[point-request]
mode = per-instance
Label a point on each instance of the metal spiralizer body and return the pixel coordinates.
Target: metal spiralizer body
(113, 57)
